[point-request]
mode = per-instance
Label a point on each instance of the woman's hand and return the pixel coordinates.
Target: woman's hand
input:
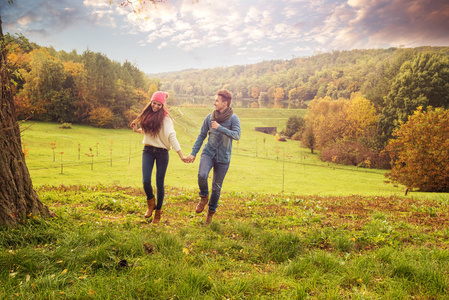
(134, 127)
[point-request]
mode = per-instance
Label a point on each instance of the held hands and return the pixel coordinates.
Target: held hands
(189, 159)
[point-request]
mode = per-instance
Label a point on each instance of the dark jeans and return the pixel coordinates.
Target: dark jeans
(149, 156)
(220, 170)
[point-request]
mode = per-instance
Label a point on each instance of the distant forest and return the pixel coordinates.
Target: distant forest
(292, 83)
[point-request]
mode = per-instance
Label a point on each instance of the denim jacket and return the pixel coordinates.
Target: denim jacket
(219, 143)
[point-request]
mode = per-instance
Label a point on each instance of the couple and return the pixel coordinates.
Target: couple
(155, 123)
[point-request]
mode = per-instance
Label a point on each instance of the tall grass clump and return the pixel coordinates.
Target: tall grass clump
(279, 247)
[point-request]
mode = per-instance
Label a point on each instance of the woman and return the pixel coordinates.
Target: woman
(159, 134)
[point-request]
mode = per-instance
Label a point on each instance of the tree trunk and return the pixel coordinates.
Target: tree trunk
(18, 199)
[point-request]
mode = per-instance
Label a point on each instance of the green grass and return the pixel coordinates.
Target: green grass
(258, 246)
(259, 163)
(288, 226)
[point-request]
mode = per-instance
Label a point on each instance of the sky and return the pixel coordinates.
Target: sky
(200, 34)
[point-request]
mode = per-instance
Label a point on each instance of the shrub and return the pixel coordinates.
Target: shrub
(354, 153)
(102, 117)
(297, 136)
(66, 126)
(294, 125)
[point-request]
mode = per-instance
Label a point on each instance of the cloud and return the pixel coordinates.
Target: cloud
(384, 23)
(230, 31)
(43, 16)
(204, 24)
(26, 20)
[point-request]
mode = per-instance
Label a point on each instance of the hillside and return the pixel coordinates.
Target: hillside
(336, 74)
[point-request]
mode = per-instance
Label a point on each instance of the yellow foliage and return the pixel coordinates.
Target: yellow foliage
(152, 90)
(360, 115)
(333, 120)
(73, 68)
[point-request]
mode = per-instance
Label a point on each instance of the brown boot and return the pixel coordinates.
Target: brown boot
(209, 216)
(157, 216)
(202, 204)
(151, 207)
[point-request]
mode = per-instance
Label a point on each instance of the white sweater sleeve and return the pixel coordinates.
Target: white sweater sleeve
(170, 133)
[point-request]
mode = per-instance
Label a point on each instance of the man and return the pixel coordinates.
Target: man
(223, 126)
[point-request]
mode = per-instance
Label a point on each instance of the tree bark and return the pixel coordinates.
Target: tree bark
(18, 199)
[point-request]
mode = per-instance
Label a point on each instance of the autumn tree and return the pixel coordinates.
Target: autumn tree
(18, 199)
(420, 151)
(278, 98)
(153, 89)
(345, 131)
(255, 92)
(325, 116)
(360, 117)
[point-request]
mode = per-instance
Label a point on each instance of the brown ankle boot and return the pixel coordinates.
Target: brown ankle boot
(202, 204)
(151, 207)
(157, 216)
(209, 216)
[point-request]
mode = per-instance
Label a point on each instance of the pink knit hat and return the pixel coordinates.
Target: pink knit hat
(159, 97)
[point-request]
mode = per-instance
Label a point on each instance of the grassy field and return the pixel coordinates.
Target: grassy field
(259, 246)
(288, 226)
(259, 163)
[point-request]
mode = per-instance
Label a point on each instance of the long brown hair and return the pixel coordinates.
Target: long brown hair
(150, 121)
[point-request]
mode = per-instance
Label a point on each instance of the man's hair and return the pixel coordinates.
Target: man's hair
(226, 96)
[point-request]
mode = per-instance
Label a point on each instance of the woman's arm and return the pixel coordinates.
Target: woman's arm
(181, 156)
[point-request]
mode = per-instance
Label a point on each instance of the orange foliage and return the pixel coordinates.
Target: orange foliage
(420, 151)
(102, 117)
(278, 97)
(18, 58)
(255, 92)
(74, 69)
(341, 119)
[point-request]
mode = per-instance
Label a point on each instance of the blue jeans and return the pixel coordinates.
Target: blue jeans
(149, 156)
(220, 170)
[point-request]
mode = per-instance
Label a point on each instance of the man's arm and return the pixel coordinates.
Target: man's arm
(201, 136)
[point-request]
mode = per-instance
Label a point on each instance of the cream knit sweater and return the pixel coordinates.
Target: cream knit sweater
(165, 138)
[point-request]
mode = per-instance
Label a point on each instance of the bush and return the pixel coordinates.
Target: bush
(294, 124)
(102, 117)
(354, 153)
(66, 126)
(297, 136)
